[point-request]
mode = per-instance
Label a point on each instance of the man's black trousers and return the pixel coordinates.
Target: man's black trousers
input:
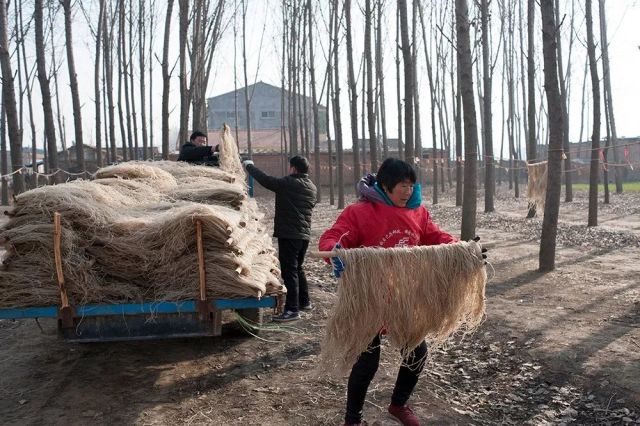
(291, 255)
(365, 368)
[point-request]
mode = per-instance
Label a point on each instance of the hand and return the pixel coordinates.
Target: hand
(484, 250)
(245, 163)
(337, 263)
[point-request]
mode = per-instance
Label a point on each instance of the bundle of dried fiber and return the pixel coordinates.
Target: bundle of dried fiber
(140, 171)
(181, 170)
(537, 183)
(229, 156)
(208, 191)
(415, 293)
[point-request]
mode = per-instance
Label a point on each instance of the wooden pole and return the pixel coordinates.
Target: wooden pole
(57, 253)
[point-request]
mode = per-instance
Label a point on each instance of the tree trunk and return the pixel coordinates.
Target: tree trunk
(380, 81)
(247, 102)
(166, 82)
(152, 25)
(96, 84)
(398, 89)
(432, 90)
(4, 161)
(43, 78)
(134, 115)
(554, 166)
(141, 52)
(353, 94)
(9, 103)
(417, 135)
(22, 67)
(489, 179)
(568, 195)
(73, 83)
(407, 59)
(121, 74)
(595, 137)
(336, 107)
(314, 98)
(609, 95)
(458, 125)
(107, 40)
(371, 117)
(468, 228)
(531, 109)
(183, 14)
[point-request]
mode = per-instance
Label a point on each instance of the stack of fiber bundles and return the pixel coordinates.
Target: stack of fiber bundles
(130, 236)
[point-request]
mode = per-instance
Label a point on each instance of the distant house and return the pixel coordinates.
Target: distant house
(266, 116)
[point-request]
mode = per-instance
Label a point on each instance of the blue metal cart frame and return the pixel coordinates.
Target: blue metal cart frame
(138, 321)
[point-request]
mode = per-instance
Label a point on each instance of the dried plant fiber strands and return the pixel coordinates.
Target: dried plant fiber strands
(537, 183)
(414, 293)
(129, 236)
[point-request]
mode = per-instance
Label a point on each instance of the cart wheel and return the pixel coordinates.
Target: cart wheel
(253, 316)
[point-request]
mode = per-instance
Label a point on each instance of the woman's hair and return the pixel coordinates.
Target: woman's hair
(300, 163)
(393, 171)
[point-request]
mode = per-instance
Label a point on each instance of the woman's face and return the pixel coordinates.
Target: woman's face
(400, 194)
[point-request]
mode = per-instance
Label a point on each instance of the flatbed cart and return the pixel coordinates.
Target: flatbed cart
(139, 321)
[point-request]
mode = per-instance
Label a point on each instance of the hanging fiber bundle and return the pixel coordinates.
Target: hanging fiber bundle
(414, 293)
(537, 184)
(229, 155)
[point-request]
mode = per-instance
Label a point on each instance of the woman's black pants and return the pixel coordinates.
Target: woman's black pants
(365, 369)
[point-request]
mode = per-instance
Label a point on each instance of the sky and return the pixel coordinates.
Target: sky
(264, 64)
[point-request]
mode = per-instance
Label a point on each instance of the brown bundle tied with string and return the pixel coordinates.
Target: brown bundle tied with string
(414, 293)
(537, 184)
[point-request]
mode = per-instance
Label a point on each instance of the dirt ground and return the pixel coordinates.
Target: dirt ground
(556, 348)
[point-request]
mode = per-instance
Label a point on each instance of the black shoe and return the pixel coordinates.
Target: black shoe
(286, 316)
(307, 307)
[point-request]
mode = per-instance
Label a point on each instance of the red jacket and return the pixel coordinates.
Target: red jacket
(370, 224)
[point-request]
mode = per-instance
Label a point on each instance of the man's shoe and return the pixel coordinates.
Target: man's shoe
(404, 415)
(286, 316)
(307, 307)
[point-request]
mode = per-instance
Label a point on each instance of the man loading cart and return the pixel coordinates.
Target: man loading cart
(196, 151)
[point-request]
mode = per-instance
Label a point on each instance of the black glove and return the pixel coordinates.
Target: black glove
(484, 250)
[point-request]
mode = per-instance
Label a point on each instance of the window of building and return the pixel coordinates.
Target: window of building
(268, 114)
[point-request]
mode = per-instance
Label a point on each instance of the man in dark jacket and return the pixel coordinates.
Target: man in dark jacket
(196, 151)
(295, 199)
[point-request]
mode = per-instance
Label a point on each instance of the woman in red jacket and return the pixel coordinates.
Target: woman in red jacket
(389, 214)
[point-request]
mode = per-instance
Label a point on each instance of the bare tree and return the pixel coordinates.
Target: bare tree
(371, 117)
(183, 28)
(432, 91)
(468, 228)
(96, 83)
(608, 93)
(398, 89)
(565, 115)
(28, 78)
(246, 85)
(531, 108)
(9, 103)
(314, 98)
(107, 43)
(4, 161)
(595, 137)
(166, 76)
(489, 180)
(380, 80)
(336, 105)
(407, 58)
(132, 94)
(552, 198)
(73, 83)
(142, 37)
(43, 78)
(353, 93)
